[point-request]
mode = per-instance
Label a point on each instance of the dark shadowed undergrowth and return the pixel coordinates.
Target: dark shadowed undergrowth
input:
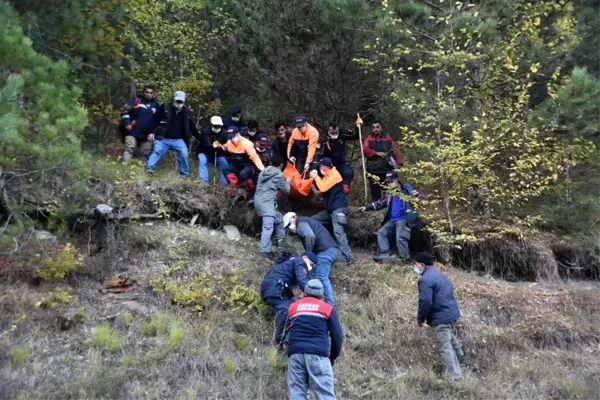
(193, 328)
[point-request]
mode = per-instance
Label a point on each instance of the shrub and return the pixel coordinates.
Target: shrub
(126, 318)
(230, 367)
(106, 339)
(18, 355)
(60, 297)
(176, 335)
(59, 265)
(158, 325)
(193, 294)
(79, 314)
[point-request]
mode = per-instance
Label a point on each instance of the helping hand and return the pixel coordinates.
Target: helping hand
(362, 209)
(293, 159)
(216, 144)
(306, 166)
(151, 137)
(313, 174)
(128, 127)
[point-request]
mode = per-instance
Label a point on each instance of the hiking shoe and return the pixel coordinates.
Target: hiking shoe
(149, 171)
(382, 257)
(267, 256)
(406, 261)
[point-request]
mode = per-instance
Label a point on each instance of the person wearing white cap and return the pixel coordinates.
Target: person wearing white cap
(207, 153)
(174, 129)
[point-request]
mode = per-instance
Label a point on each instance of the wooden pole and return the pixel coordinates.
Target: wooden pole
(362, 154)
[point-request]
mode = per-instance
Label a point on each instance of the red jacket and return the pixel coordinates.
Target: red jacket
(384, 144)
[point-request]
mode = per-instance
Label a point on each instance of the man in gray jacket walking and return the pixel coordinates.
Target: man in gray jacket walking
(270, 182)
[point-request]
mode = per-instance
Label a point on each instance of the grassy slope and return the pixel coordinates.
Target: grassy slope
(529, 341)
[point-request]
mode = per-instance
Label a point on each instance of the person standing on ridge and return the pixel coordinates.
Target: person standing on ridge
(302, 144)
(382, 155)
(336, 204)
(174, 129)
(317, 239)
(311, 355)
(333, 146)
(207, 152)
(137, 124)
(438, 307)
(234, 119)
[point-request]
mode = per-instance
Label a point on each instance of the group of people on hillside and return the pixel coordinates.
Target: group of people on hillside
(249, 160)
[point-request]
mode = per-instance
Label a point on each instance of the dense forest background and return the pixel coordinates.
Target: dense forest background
(495, 103)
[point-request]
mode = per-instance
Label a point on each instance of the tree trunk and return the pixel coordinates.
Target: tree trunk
(568, 181)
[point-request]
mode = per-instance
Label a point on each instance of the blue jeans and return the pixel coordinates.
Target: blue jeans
(268, 225)
(305, 369)
(339, 220)
(203, 168)
(160, 149)
(321, 272)
(402, 232)
(449, 348)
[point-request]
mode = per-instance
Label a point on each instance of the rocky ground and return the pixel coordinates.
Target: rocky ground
(192, 326)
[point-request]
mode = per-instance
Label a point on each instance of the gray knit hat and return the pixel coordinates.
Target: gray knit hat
(314, 288)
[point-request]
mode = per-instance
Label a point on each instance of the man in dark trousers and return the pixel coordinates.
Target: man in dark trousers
(400, 217)
(381, 152)
(438, 307)
(336, 205)
(174, 129)
(137, 124)
(333, 145)
(317, 239)
(311, 356)
(207, 152)
(277, 286)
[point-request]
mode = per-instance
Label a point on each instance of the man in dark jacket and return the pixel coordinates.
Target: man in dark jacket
(336, 205)
(438, 307)
(207, 153)
(280, 143)
(315, 238)
(277, 287)
(234, 119)
(313, 323)
(174, 129)
(381, 152)
(333, 146)
(137, 124)
(255, 132)
(270, 182)
(400, 217)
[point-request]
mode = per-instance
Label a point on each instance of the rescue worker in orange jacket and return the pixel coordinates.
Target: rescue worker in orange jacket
(244, 163)
(302, 144)
(336, 204)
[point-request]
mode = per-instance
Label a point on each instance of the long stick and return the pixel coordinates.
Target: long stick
(362, 154)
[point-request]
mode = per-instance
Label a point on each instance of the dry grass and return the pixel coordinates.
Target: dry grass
(528, 341)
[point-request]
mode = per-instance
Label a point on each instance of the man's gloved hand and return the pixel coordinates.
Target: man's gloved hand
(293, 159)
(216, 144)
(306, 166)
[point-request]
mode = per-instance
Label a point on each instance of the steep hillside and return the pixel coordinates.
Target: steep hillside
(192, 327)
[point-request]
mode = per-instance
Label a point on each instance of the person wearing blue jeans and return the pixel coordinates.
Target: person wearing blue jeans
(317, 239)
(173, 128)
(209, 154)
(222, 165)
(314, 342)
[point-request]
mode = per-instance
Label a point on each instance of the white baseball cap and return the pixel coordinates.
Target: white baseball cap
(287, 217)
(179, 95)
(216, 120)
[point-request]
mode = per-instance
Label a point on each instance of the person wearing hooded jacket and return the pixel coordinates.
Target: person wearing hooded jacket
(270, 182)
(317, 239)
(276, 289)
(332, 144)
(208, 154)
